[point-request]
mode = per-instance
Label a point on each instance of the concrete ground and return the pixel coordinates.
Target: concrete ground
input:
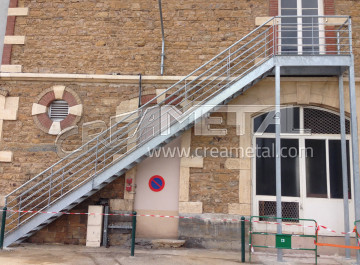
(79, 255)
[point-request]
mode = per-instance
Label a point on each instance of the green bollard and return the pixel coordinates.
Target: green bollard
(242, 239)
(2, 234)
(133, 234)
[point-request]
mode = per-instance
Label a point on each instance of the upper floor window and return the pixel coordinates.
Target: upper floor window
(300, 35)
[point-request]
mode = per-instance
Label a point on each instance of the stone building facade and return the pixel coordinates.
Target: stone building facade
(90, 54)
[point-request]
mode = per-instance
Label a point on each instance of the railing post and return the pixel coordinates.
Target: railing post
(133, 233)
(19, 211)
(51, 176)
(62, 182)
(3, 221)
(242, 239)
(96, 153)
(312, 36)
(274, 36)
(265, 42)
(228, 65)
(350, 35)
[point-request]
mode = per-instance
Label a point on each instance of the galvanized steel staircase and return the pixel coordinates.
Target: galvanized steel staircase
(116, 150)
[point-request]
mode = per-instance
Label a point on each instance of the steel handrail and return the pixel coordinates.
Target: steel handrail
(146, 104)
(201, 84)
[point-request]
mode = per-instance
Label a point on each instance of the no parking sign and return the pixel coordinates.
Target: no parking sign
(156, 183)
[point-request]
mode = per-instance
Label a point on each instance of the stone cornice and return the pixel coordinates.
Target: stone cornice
(127, 79)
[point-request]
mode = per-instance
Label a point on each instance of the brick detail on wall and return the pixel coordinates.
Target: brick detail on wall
(330, 36)
(273, 7)
(10, 28)
(329, 7)
(44, 120)
(70, 99)
(68, 121)
(146, 98)
(47, 99)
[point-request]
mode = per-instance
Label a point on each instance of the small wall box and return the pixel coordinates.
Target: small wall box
(283, 241)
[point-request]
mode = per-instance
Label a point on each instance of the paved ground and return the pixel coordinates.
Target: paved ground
(80, 255)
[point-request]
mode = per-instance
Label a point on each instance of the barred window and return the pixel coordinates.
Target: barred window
(289, 210)
(323, 122)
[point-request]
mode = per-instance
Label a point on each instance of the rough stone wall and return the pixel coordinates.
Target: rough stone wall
(352, 8)
(33, 150)
(214, 185)
(123, 36)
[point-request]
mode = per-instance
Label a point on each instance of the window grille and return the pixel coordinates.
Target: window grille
(58, 110)
(289, 210)
(323, 122)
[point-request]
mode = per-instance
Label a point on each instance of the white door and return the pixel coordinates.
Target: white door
(301, 35)
(311, 171)
(157, 193)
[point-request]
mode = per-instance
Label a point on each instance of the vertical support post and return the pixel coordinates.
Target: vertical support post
(338, 42)
(250, 238)
(242, 239)
(278, 155)
(354, 134)
(355, 145)
(133, 234)
(4, 6)
(105, 227)
(2, 232)
(344, 165)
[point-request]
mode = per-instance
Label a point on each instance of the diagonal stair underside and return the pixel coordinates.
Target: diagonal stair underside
(119, 168)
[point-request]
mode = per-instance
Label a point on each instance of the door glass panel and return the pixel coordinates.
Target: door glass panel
(266, 171)
(310, 27)
(290, 178)
(336, 183)
(316, 168)
(289, 32)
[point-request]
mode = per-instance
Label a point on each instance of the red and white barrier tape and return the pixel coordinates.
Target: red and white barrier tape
(182, 217)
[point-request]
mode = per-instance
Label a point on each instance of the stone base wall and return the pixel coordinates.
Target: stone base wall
(212, 234)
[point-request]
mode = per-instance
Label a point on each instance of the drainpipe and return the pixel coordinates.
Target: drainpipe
(140, 90)
(163, 40)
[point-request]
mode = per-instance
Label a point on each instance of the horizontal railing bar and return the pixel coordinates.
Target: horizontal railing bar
(129, 132)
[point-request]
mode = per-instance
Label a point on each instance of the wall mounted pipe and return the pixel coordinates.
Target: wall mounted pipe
(163, 40)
